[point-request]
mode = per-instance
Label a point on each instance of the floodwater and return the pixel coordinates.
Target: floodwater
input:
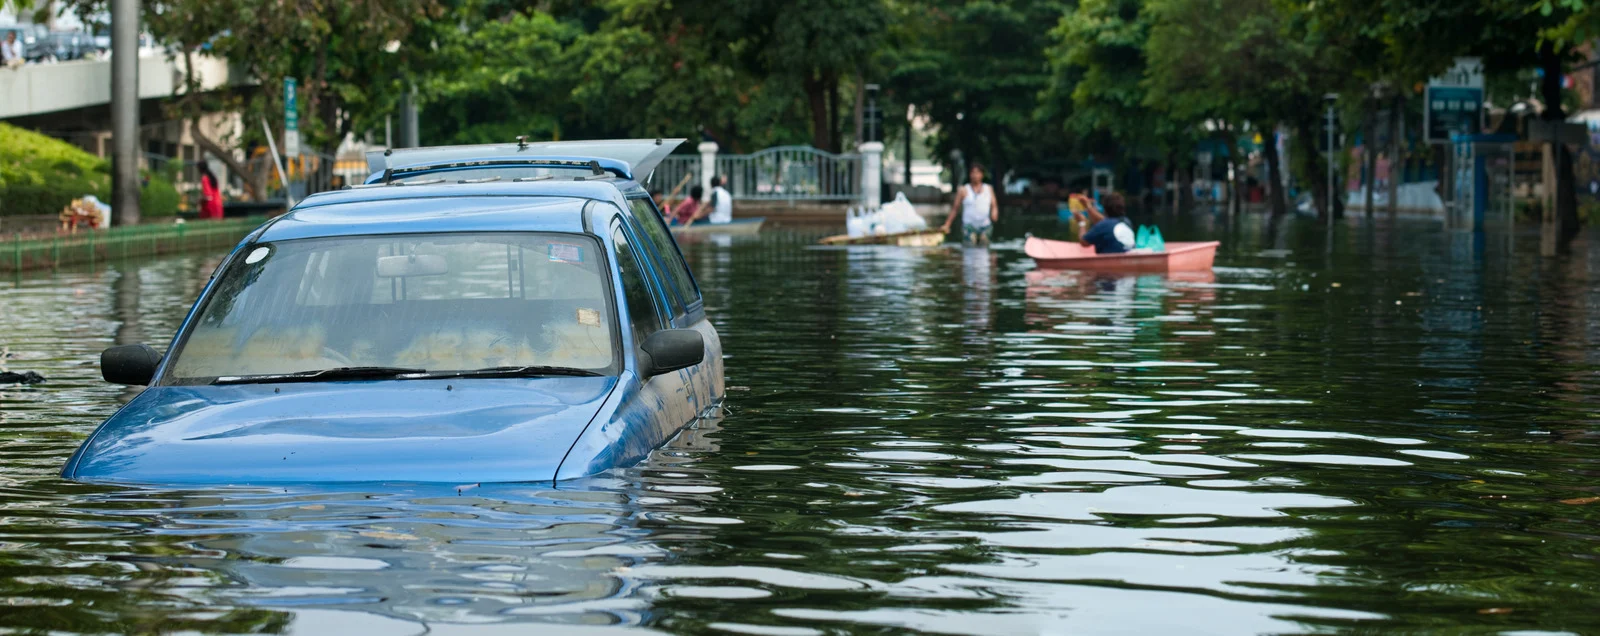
(1392, 432)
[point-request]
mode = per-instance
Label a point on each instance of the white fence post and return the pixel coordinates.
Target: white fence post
(872, 174)
(708, 164)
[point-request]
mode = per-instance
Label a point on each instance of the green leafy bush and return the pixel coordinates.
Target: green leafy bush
(41, 175)
(158, 198)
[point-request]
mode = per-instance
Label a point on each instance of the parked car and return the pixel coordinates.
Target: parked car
(436, 325)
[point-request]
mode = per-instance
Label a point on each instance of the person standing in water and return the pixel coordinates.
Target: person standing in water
(978, 207)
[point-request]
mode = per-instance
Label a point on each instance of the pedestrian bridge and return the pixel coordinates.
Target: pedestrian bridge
(42, 89)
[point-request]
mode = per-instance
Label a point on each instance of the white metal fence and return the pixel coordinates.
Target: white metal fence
(672, 170)
(792, 173)
(784, 173)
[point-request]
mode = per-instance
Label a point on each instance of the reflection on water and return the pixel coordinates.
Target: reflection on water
(940, 440)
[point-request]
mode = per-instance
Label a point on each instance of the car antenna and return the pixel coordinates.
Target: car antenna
(522, 142)
(658, 141)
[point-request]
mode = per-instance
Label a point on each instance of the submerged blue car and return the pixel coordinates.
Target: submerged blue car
(473, 314)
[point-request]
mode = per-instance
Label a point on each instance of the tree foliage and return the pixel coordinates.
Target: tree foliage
(351, 58)
(1010, 83)
(975, 70)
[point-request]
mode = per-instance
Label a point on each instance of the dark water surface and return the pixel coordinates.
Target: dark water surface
(1400, 435)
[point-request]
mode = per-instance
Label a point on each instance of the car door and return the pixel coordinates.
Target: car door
(653, 408)
(682, 294)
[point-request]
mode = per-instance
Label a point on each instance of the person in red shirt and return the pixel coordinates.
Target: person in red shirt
(686, 210)
(210, 194)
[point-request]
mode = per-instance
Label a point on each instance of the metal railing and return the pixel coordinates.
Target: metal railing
(793, 173)
(19, 253)
(672, 170)
(308, 174)
(784, 173)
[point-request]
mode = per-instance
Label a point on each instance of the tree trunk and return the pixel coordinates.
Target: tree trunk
(1241, 165)
(1566, 195)
(1397, 131)
(1275, 189)
(1369, 156)
(861, 110)
(1185, 198)
(832, 80)
(817, 98)
(1233, 158)
(1311, 165)
(234, 165)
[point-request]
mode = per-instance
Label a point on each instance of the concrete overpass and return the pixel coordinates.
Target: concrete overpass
(72, 100)
(39, 89)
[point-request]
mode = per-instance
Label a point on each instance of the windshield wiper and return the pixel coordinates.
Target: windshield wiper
(514, 372)
(337, 373)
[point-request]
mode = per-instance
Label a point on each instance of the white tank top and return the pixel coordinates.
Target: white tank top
(975, 205)
(722, 211)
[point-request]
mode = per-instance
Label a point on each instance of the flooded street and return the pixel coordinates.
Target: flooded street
(1396, 434)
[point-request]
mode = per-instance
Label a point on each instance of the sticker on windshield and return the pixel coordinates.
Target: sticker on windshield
(566, 253)
(257, 255)
(588, 317)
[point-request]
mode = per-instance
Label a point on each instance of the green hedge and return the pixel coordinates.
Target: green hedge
(40, 175)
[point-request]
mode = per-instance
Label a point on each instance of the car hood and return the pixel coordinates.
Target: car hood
(457, 431)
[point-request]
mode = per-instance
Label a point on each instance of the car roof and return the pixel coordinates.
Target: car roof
(628, 158)
(545, 206)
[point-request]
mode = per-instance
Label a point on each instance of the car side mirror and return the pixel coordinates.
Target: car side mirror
(134, 365)
(670, 350)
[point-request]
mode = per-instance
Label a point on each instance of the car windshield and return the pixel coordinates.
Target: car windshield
(419, 302)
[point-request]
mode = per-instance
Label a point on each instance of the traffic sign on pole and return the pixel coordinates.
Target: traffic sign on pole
(291, 120)
(1454, 102)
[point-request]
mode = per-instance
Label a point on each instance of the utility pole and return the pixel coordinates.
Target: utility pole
(125, 111)
(409, 130)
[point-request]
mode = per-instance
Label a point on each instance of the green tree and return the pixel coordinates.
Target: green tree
(351, 59)
(1414, 40)
(591, 73)
(1098, 92)
(812, 44)
(976, 70)
(1236, 62)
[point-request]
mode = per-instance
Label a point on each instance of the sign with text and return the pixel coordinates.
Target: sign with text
(1454, 102)
(291, 119)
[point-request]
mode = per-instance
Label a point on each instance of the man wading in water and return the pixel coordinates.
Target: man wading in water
(978, 208)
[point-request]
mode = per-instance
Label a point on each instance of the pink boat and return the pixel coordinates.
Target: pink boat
(1179, 257)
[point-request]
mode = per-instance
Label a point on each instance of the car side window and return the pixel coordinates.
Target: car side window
(642, 314)
(660, 238)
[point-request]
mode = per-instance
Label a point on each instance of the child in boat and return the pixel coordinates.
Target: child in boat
(1111, 233)
(1079, 202)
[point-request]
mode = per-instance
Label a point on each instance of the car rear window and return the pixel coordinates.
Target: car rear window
(438, 302)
